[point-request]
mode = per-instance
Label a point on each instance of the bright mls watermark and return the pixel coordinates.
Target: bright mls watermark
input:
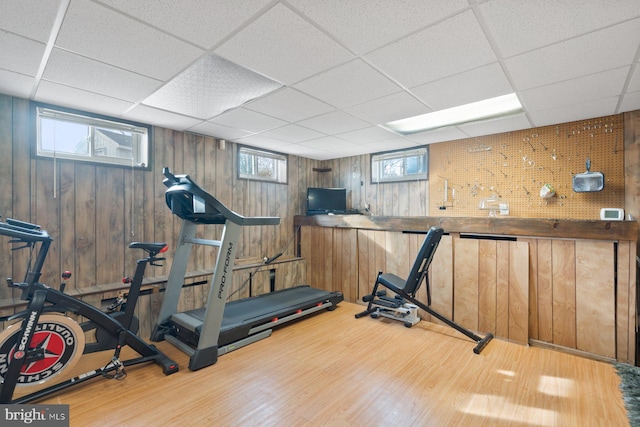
(34, 415)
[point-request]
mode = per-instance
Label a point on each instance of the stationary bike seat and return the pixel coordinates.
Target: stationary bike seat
(151, 247)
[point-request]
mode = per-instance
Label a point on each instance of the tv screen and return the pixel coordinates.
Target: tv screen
(326, 200)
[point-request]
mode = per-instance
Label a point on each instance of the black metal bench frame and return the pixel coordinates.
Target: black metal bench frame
(407, 289)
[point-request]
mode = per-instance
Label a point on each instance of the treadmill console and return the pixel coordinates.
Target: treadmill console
(188, 201)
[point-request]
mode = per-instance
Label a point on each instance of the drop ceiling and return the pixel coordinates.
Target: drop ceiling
(335, 69)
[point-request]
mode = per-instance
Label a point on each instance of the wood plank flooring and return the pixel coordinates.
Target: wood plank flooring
(334, 370)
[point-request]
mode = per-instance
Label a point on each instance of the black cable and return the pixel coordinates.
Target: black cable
(265, 262)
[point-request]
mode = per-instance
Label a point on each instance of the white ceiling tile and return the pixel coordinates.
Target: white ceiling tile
(263, 142)
(464, 88)
(283, 46)
(521, 25)
(19, 54)
(367, 135)
(599, 51)
(204, 23)
(630, 102)
(304, 151)
(396, 143)
(248, 120)
(293, 134)
(289, 104)
(363, 25)
(450, 47)
(506, 124)
(16, 84)
(209, 87)
(65, 96)
(218, 131)
(30, 18)
(437, 135)
(349, 84)
(142, 113)
(100, 33)
(388, 108)
(568, 56)
(634, 82)
(334, 145)
(334, 122)
(588, 110)
(575, 91)
(83, 73)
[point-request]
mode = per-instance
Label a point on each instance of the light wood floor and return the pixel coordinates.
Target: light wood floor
(334, 370)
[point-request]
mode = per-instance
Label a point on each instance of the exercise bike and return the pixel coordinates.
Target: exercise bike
(42, 342)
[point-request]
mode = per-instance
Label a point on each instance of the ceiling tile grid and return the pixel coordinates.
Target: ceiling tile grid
(99, 33)
(32, 19)
(83, 73)
(340, 69)
(79, 99)
(364, 25)
(203, 23)
(19, 54)
(290, 105)
(447, 48)
(284, 47)
(348, 84)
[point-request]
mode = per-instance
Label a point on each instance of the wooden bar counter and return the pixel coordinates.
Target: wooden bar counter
(569, 284)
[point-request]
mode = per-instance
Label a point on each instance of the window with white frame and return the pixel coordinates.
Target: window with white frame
(402, 165)
(75, 135)
(261, 165)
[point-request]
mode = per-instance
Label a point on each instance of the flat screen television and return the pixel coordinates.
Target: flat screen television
(326, 200)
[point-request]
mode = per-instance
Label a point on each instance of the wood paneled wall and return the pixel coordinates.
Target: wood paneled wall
(582, 295)
(93, 212)
(391, 199)
(485, 278)
(412, 198)
(573, 293)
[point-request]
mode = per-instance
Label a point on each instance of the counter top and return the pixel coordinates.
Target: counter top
(520, 227)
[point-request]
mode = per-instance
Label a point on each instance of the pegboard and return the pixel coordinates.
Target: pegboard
(515, 165)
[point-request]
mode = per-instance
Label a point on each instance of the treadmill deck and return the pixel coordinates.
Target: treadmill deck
(242, 315)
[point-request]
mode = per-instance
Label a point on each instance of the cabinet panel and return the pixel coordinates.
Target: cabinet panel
(595, 298)
(563, 275)
(573, 293)
(465, 279)
(442, 278)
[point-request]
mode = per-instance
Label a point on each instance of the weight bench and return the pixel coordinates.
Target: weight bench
(401, 307)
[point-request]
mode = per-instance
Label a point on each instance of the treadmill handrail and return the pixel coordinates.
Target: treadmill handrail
(24, 234)
(185, 193)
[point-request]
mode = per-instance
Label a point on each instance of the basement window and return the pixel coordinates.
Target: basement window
(261, 165)
(74, 135)
(401, 165)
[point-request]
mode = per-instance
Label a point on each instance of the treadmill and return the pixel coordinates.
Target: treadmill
(220, 327)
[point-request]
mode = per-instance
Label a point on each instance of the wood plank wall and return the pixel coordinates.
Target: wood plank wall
(95, 211)
(582, 295)
(485, 278)
(412, 198)
(98, 210)
(571, 293)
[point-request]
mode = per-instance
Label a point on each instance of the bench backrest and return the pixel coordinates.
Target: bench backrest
(423, 260)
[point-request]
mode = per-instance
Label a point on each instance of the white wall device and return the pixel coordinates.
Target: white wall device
(612, 214)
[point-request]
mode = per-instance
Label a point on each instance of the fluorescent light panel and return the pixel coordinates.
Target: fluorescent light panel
(500, 106)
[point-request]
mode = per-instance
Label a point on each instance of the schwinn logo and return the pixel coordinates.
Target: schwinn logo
(227, 261)
(54, 344)
(27, 331)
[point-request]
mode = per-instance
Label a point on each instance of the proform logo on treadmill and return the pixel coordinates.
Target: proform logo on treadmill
(224, 271)
(53, 345)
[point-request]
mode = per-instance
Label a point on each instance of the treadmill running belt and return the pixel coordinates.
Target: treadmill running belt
(241, 315)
